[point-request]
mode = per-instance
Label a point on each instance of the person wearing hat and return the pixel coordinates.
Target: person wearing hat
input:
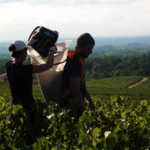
(74, 90)
(20, 75)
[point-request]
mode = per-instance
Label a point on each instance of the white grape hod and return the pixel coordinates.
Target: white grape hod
(50, 81)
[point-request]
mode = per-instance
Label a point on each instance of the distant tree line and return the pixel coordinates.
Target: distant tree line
(4, 56)
(109, 66)
(113, 63)
(119, 51)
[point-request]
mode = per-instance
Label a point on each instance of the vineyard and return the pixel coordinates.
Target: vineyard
(121, 120)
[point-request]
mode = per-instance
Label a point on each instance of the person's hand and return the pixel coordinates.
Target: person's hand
(54, 49)
(91, 105)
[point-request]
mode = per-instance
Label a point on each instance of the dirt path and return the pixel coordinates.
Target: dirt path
(133, 85)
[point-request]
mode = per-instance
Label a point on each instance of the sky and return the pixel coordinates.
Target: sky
(71, 18)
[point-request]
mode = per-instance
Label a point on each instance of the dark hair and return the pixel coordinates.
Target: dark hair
(84, 40)
(15, 53)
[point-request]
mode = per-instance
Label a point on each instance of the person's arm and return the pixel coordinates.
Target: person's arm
(89, 99)
(75, 89)
(37, 68)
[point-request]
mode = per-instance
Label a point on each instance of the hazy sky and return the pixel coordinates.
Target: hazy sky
(73, 17)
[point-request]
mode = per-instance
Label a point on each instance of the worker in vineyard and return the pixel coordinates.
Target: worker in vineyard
(74, 90)
(20, 75)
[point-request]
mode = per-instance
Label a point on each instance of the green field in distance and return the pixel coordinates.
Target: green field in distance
(104, 88)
